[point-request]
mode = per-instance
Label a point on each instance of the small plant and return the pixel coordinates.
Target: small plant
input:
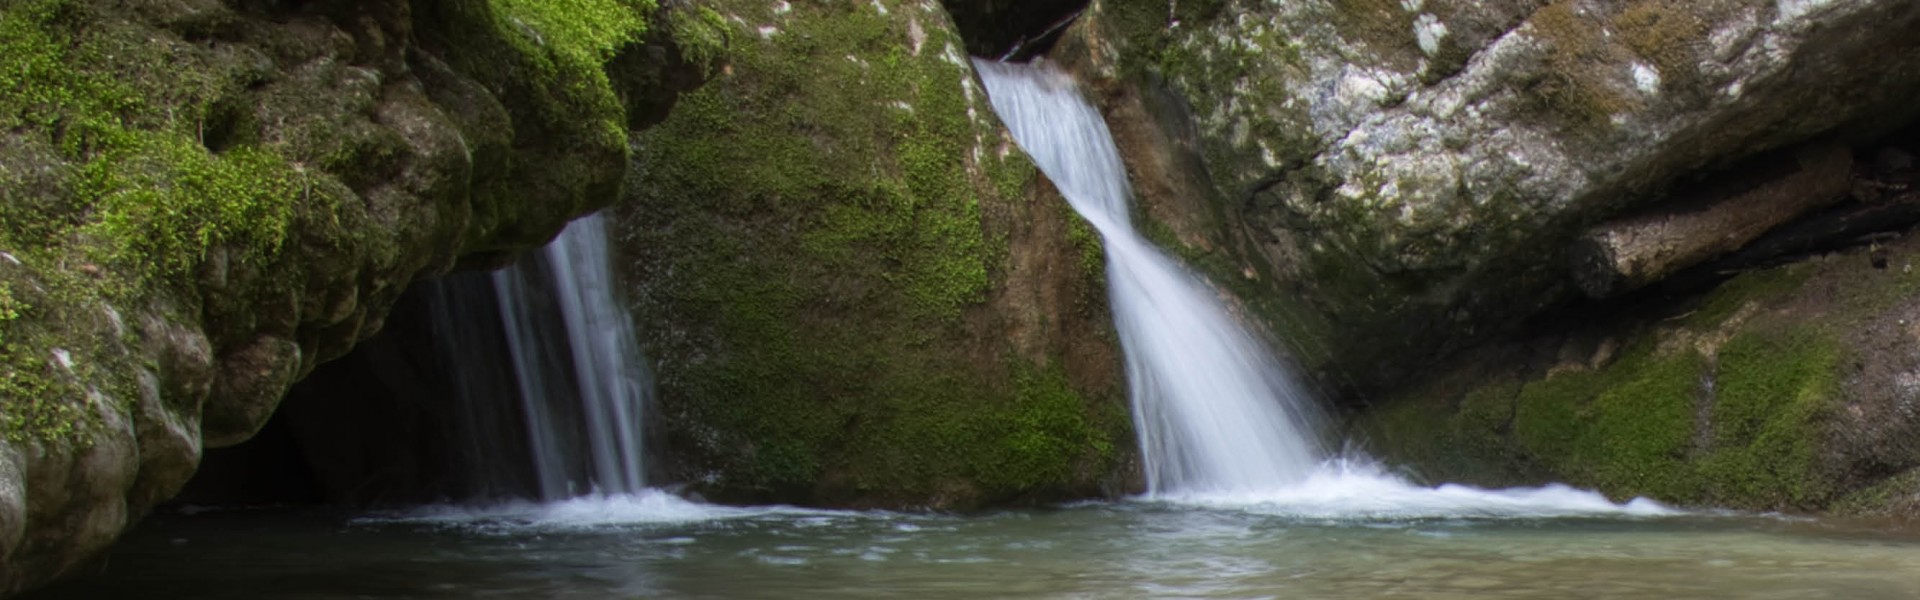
(10, 309)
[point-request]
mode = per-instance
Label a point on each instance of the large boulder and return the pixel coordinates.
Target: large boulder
(1386, 182)
(200, 201)
(856, 290)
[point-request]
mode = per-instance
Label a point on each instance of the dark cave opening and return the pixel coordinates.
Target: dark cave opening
(379, 426)
(426, 411)
(1016, 30)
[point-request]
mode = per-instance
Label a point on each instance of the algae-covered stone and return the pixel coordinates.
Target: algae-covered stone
(855, 290)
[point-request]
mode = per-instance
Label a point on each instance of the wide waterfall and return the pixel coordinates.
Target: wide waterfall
(1215, 412)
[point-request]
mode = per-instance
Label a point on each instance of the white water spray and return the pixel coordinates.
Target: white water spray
(1220, 420)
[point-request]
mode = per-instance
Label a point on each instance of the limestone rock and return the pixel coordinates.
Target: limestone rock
(200, 201)
(1415, 172)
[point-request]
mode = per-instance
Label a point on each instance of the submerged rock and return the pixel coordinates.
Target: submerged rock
(199, 203)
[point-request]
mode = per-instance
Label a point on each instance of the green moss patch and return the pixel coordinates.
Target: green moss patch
(815, 230)
(149, 195)
(1774, 391)
(1624, 428)
(165, 201)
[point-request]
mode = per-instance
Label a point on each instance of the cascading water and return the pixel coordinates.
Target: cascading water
(593, 357)
(1215, 412)
(1220, 420)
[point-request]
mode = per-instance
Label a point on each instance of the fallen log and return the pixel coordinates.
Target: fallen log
(1848, 224)
(1696, 227)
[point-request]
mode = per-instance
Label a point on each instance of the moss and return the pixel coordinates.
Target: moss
(1575, 83)
(1416, 431)
(164, 202)
(702, 36)
(154, 197)
(1746, 289)
(42, 400)
(10, 308)
(816, 238)
(1446, 434)
(571, 40)
(1667, 33)
(1885, 498)
(1045, 435)
(1625, 428)
(1093, 255)
(45, 83)
(1642, 427)
(1485, 416)
(588, 31)
(1774, 392)
(1631, 427)
(38, 407)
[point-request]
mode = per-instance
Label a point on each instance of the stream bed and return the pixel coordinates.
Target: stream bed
(656, 545)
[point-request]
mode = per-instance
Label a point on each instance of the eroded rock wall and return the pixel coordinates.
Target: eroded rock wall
(200, 201)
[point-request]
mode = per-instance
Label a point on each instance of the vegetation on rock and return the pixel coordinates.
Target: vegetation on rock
(1738, 401)
(198, 187)
(823, 243)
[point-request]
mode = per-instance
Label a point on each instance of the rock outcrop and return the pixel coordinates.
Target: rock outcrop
(1389, 184)
(200, 201)
(1412, 174)
(855, 287)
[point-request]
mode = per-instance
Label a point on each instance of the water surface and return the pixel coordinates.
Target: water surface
(657, 546)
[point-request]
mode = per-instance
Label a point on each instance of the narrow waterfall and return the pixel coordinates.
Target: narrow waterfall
(592, 358)
(1216, 413)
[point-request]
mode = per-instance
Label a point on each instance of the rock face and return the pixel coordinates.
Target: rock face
(1389, 184)
(200, 203)
(1412, 172)
(1790, 388)
(855, 288)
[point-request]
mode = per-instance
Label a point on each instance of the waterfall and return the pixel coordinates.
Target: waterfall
(1215, 412)
(591, 359)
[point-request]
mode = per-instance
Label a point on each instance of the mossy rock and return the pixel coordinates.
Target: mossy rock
(855, 291)
(1780, 389)
(199, 188)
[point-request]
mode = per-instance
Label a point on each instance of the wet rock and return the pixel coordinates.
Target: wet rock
(202, 201)
(855, 289)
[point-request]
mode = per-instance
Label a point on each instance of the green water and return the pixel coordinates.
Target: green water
(1119, 550)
